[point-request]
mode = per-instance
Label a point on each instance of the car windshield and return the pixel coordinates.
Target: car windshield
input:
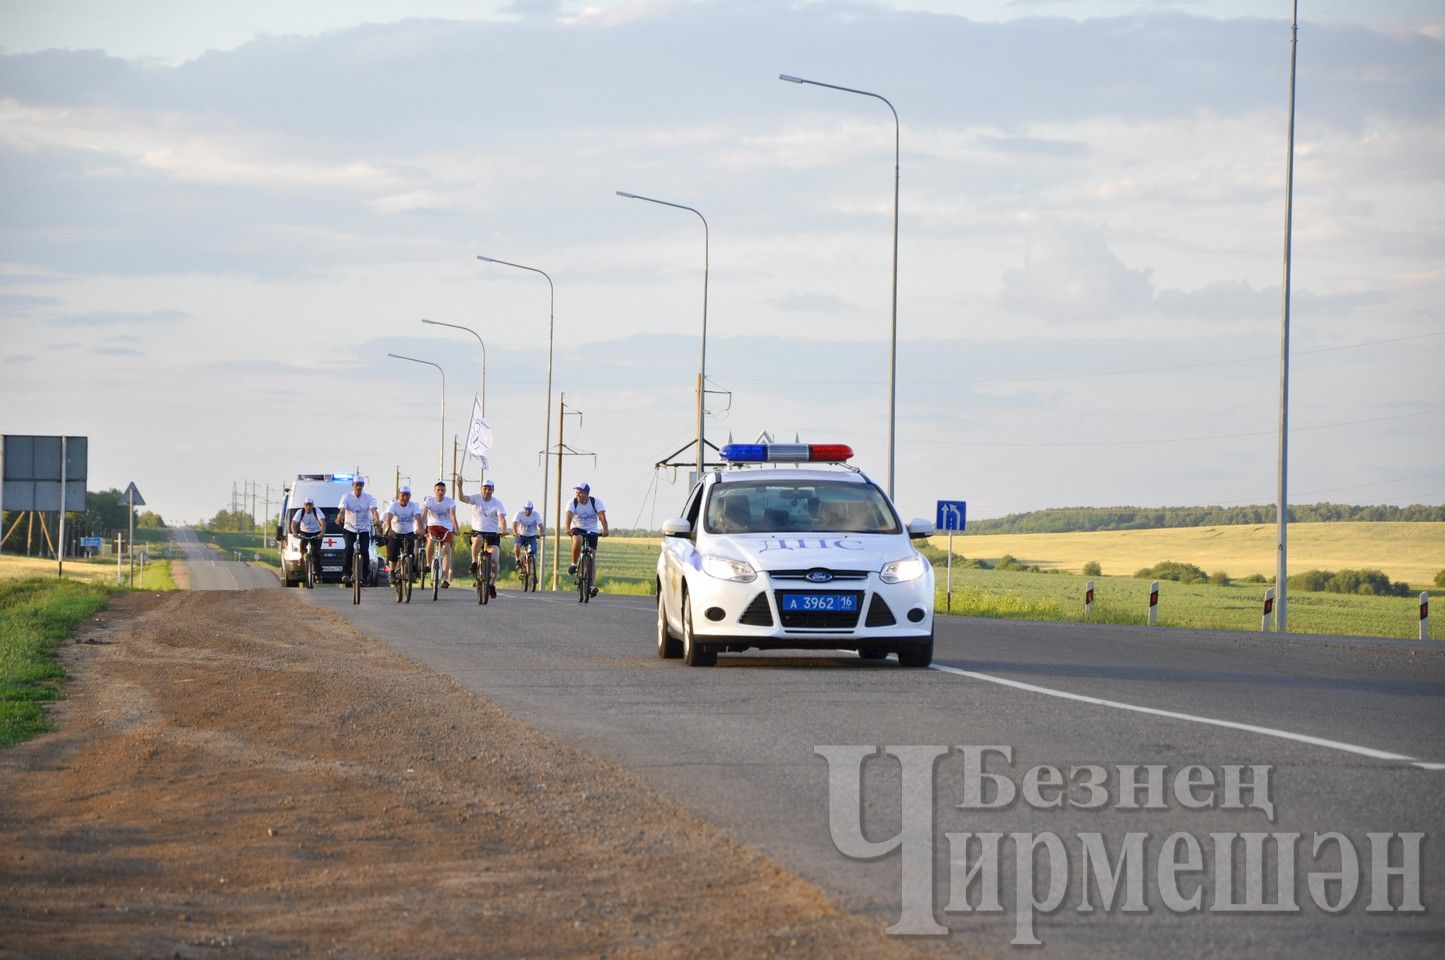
(802, 507)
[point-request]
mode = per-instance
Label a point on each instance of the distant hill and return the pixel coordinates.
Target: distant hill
(1083, 519)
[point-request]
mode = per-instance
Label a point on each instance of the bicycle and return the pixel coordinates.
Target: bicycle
(525, 569)
(586, 572)
(484, 576)
(356, 572)
(401, 576)
(310, 558)
(436, 564)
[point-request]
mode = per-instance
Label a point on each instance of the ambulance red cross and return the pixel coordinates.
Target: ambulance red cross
(792, 547)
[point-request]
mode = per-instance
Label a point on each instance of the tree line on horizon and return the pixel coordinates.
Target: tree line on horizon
(1085, 519)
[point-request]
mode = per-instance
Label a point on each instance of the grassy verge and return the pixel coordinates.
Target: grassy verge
(157, 575)
(1052, 596)
(36, 615)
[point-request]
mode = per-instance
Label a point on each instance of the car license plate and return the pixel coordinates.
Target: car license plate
(330, 569)
(820, 602)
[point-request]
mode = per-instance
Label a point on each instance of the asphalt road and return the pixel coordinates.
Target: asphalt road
(212, 570)
(1349, 728)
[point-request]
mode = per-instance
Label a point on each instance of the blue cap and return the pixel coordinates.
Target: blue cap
(583, 487)
(527, 505)
(405, 490)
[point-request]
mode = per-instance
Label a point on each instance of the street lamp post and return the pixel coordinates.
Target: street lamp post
(438, 323)
(442, 448)
(551, 329)
(702, 362)
(893, 327)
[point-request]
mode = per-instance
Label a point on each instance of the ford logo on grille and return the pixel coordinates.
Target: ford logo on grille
(818, 576)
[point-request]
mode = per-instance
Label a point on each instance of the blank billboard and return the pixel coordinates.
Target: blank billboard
(31, 472)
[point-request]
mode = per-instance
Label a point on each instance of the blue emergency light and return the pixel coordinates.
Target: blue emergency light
(786, 452)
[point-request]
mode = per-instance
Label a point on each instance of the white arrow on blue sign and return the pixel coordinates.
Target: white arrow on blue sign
(951, 514)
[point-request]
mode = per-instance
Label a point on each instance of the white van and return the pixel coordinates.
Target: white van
(326, 490)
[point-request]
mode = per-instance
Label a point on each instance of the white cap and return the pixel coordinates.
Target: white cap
(405, 490)
(358, 479)
(527, 505)
(488, 483)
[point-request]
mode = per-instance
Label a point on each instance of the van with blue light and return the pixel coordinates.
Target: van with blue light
(326, 489)
(792, 547)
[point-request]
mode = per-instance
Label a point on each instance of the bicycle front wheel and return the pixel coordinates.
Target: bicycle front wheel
(356, 576)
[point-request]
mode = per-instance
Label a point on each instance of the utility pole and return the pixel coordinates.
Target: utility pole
(1281, 573)
(563, 411)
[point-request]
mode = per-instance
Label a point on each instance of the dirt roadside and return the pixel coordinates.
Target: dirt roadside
(234, 774)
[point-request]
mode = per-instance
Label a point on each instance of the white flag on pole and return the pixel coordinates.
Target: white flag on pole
(479, 437)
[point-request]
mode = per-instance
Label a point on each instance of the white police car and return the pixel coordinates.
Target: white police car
(810, 556)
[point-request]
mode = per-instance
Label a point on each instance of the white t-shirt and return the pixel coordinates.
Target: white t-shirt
(488, 516)
(530, 524)
(358, 511)
(438, 513)
(584, 515)
(406, 515)
(309, 523)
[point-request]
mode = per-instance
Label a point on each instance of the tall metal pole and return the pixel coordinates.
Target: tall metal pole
(482, 343)
(557, 515)
(442, 436)
(60, 554)
(1282, 500)
(547, 442)
(702, 362)
(893, 321)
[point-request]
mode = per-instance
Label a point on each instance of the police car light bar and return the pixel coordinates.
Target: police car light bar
(786, 452)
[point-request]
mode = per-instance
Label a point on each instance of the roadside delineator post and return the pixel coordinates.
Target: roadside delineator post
(1088, 600)
(1424, 615)
(1268, 609)
(1154, 603)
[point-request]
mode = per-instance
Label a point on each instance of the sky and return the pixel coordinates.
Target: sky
(219, 219)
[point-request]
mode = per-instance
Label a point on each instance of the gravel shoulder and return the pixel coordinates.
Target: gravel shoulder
(239, 774)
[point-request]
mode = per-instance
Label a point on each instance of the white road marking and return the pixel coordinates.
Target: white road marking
(1193, 718)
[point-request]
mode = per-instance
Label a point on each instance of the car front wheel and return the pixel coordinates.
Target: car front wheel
(692, 653)
(916, 656)
(668, 646)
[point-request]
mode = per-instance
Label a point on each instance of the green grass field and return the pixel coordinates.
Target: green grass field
(1411, 552)
(36, 615)
(628, 566)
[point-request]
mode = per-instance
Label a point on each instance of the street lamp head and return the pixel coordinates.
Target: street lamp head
(432, 322)
(486, 259)
(624, 193)
(397, 356)
(790, 78)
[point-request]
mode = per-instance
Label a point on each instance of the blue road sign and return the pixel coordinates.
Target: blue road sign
(951, 514)
(90, 543)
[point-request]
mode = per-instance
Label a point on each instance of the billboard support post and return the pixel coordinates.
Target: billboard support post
(60, 554)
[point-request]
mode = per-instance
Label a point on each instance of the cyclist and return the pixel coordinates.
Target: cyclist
(401, 520)
(586, 517)
(527, 527)
(357, 516)
(308, 524)
(439, 516)
(489, 520)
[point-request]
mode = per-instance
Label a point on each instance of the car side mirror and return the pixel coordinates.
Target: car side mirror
(676, 527)
(920, 529)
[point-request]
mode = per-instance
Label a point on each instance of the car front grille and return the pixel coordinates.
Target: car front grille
(821, 619)
(757, 614)
(803, 574)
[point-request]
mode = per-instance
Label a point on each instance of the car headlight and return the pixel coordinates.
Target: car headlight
(725, 569)
(902, 571)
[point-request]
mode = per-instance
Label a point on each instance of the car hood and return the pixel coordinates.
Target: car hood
(848, 551)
